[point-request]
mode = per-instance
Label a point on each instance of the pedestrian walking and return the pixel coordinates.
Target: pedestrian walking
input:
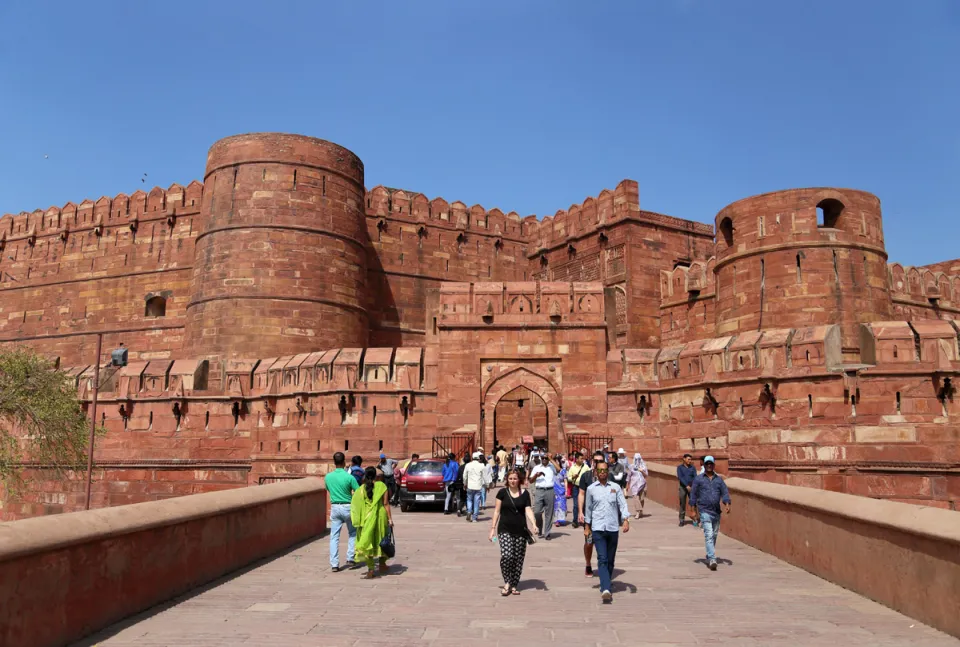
(500, 470)
(489, 478)
(512, 526)
(708, 493)
(637, 483)
(356, 468)
(450, 470)
(473, 483)
(573, 477)
(340, 486)
(461, 489)
(387, 468)
(686, 472)
(605, 515)
(619, 467)
(543, 477)
(560, 494)
(370, 514)
(587, 477)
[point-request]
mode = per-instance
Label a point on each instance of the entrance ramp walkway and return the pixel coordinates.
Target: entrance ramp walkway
(442, 591)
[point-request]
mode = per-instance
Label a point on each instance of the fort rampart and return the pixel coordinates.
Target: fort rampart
(280, 312)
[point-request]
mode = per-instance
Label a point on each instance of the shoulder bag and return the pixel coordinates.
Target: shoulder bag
(388, 545)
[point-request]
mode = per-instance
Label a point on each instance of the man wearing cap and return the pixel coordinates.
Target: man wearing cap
(706, 496)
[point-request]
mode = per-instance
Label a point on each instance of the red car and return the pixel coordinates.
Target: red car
(422, 483)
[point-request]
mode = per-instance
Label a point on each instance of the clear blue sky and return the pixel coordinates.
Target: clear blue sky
(527, 105)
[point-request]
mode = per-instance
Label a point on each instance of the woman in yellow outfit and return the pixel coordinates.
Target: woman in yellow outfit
(370, 515)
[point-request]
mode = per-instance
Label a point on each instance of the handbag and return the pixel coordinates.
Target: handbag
(388, 544)
(528, 535)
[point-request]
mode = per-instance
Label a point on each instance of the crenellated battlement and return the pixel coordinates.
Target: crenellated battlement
(417, 209)
(594, 215)
(119, 210)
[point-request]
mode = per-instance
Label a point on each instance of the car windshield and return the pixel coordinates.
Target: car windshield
(425, 468)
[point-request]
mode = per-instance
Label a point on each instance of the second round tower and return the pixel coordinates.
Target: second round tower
(802, 257)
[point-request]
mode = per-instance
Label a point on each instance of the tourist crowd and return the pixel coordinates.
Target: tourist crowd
(540, 490)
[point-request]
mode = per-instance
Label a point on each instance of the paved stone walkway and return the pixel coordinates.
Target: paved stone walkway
(442, 591)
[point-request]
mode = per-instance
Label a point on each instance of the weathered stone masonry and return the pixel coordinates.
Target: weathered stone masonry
(279, 312)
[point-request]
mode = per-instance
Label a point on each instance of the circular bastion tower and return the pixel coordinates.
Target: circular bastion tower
(280, 264)
(802, 257)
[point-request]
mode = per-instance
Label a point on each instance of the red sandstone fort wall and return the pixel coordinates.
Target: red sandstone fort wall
(417, 244)
(614, 321)
(609, 239)
(72, 271)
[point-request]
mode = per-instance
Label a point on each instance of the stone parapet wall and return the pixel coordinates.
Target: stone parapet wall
(905, 557)
(781, 405)
(62, 578)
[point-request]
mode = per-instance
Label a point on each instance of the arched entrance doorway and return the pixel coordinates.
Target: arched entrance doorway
(521, 416)
(506, 419)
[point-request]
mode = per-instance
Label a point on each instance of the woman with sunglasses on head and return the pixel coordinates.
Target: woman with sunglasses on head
(511, 527)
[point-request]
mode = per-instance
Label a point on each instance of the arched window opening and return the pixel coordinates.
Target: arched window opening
(156, 307)
(726, 231)
(828, 213)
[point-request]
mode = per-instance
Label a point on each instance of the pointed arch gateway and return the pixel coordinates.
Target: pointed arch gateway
(507, 396)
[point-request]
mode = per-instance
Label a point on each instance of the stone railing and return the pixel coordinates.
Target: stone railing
(904, 556)
(66, 576)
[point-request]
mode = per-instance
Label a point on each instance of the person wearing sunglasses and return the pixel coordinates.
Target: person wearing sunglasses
(605, 515)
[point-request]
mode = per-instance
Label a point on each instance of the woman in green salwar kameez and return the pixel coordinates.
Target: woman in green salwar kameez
(370, 515)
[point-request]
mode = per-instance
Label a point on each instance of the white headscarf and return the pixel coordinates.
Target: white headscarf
(638, 461)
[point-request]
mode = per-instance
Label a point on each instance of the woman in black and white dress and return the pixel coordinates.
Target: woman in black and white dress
(512, 523)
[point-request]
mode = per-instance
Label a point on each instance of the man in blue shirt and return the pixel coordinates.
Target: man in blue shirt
(708, 493)
(604, 514)
(356, 468)
(450, 471)
(686, 472)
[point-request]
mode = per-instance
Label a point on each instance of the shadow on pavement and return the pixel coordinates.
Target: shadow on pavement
(720, 560)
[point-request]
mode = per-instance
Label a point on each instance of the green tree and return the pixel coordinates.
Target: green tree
(41, 421)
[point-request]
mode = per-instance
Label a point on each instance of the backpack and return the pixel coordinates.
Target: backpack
(357, 472)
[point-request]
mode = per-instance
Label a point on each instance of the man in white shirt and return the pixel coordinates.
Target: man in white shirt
(473, 483)
(543, 477)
